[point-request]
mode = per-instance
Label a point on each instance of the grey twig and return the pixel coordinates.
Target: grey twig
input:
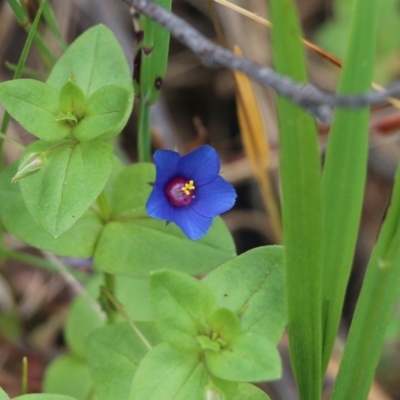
(310, 97)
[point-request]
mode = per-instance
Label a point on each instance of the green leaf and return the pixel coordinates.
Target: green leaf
(94, 60)
(35, 106)
(166, 373)
(72, 100)
(252, 285)
(79, 241)
(343, 192)
(3, 395)
(130, 233)
(105, 114)
(114, 353)
(249, 358)
(300, 172)
(224, 323)
(68, 375)
(75, 174)
(44, 396)
(181, 305)
(374, 307)
(246, 391)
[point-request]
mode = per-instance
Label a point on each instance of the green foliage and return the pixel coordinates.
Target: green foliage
(68, 375)
(78, 241)
(64, 188)
(343, 192)
(249, 282)
(170, 374)
(3, 395)
(76, 170)
(114, 353)
(300, 172)
(207, 342)
(126, 235)
(245, 391)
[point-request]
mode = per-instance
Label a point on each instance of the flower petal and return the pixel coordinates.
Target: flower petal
(193, 224)
(166, 165)
(214, 198)
(158, 206)
(202, 165)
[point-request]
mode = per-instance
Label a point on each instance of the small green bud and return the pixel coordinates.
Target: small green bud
(72, 101)
(213, 392)
(31, 163)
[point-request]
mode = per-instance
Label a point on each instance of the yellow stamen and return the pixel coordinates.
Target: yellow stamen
(189, 186)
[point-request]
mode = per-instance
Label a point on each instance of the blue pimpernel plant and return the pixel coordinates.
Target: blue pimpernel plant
(189, 191)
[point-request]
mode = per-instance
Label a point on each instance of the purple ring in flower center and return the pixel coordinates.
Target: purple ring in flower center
(180, 192)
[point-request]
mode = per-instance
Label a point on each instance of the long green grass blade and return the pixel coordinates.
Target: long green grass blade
(301, 207)
(344, 172)
(378, 295)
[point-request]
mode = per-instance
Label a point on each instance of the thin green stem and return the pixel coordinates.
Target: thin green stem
(118, 307)
(144, 142)
(22, 60)
(16, 144)
(24, 383)
(47, 56)
(109, 282)
(52, 24)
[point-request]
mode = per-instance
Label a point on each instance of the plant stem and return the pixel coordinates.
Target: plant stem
(47, 56)
(144, 142)
(109, 282)
(116, 304)
(24, 383)
(22, 60)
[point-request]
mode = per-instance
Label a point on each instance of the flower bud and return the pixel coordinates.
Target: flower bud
(31, 163)
(213, 392)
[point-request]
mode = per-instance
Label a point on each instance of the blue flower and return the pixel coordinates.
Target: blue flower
(189, 191)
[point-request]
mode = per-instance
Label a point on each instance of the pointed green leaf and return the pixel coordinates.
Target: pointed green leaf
(105, 114)
(343, 182)
(75, 174)
(252, 285)
(114, 353)
(72, 100)
(300, 171)
(249, 358)
(224, 323)
(94, 60)
(181, 305)
(166, 373)
(78, 242)
(68, 375)
(35, 106)
(247, 391)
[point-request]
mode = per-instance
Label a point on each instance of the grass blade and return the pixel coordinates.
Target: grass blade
(344, 173)
(301, 207)
(378, 295)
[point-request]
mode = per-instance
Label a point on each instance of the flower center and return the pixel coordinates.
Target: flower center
(180, 191)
